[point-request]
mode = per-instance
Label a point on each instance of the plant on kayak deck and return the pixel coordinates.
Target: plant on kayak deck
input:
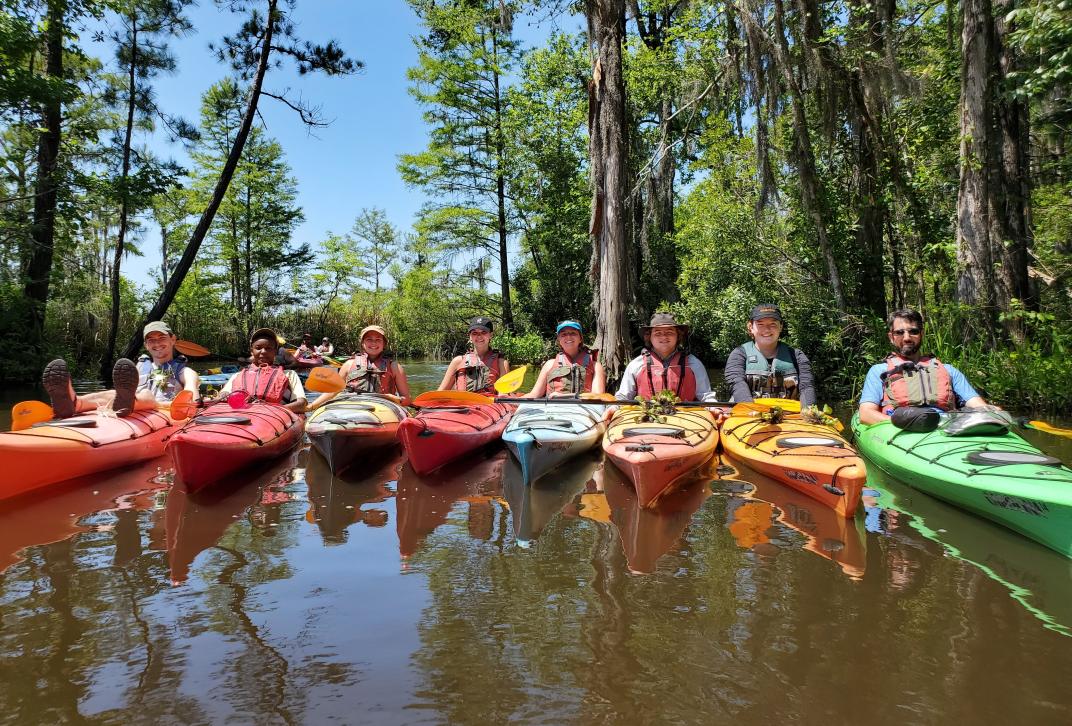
(822, 416)
(656, 408)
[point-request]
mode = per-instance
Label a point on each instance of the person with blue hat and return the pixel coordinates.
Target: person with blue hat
(574, 370)
(765, 367)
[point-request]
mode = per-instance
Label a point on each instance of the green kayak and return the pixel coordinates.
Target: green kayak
(997, 476)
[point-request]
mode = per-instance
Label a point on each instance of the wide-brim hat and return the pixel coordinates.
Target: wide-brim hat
(664, 320)
(372, 329)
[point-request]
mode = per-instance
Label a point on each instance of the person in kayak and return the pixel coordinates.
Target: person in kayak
(262, 380)
(156, 379)
(306, 352)
(765, 367)
(374, 370)
(909, 378)
(325, 347)
(574, 370)
(477, 370)
(664, 365)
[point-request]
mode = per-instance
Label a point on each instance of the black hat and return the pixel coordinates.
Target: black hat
(662, 320)
(766, 310)
(480, 323)
(264, 334)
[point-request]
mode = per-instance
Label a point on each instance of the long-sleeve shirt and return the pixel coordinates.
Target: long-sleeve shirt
(627, 391)
(742, 393)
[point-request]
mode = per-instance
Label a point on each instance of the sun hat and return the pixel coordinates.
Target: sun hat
(158, 326)
(664, 319)
(372, 329)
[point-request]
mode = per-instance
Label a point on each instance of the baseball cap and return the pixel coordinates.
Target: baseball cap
(568, 324)
(480, 323)
(264, 334)
(158, 326)
(766, 310)
(372, 329)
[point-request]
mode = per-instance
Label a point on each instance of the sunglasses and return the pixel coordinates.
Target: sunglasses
(909, 331)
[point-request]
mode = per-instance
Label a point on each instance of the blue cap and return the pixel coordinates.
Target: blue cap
(568, 324)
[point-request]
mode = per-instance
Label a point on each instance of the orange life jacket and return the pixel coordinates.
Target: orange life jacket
(366, 376)
(675, 375)
(924, 382)
(476, 374)
(266, 383)
(565, 376)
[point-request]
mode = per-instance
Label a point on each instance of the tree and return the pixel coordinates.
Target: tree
(339, 268)
(379, 242)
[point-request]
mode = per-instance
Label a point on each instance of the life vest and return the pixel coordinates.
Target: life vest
(566, 376)
(924, 382)
(476, 374)
(266, 383)
(776, 379)
(366, 376)
(164, 385)
(673, 375)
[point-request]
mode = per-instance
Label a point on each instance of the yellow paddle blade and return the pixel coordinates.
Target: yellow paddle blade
(191, 349)
(512, 380)
(27, 413)
(1050, 429)
(786, 404)
(183, 406)
(434, 398)
(748, 409)
(325, 380)
(598, 397)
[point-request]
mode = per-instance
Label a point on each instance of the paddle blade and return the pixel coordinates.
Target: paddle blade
(608, 397)
(1050, 428)
(183, 406)
(325, 380)
(512, 380)
(786, 404)
(27, 413)
(438, 398)
(191, 349)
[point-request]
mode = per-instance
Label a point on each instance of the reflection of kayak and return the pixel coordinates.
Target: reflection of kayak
(351, 426)
(423, 503)
(544, 437)
(533, 506)
(56, 517)
(827, 533)
(811, 458)
(222, 441)
(649, 532)
(657, 456)
(1041, 580)
(77, 446)
(335, 504)
(982, 474)
(440, 434)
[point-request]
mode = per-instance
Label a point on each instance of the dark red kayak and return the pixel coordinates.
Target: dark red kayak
(441, 434)
(221, 441)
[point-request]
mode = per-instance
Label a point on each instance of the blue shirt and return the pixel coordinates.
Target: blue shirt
(872, 392)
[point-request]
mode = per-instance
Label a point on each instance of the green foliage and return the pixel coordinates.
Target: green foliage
(522, 348)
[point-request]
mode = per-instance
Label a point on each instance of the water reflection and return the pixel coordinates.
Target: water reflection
(336, 503)
(533, 506)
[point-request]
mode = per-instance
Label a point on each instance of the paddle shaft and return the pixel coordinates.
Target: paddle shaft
(597, 402)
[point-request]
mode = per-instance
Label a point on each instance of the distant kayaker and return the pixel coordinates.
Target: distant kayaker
(909, 378)
(156, 378)
(325, 347)
(574, 370)
(664, 365)
(477, 370)
(374, 370)
(765, 367)
(306, 351)
(262, 380)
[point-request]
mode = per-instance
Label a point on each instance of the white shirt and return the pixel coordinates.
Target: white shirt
(627, 391)
(297, 391)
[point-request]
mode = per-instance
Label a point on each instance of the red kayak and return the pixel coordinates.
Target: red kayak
(446, 432)
(221, 441)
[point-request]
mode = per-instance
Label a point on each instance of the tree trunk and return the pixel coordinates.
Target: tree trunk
(43, 229)
(612, 271)
(124, 205)
(500, 192)
(203, 224)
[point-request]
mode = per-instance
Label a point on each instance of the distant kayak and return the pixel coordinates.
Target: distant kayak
(543, 437)
(216, 444)
(353, 425)
(55, 451)
(998, 476)
(440, 434)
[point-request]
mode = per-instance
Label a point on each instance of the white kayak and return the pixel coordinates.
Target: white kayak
(543, 436)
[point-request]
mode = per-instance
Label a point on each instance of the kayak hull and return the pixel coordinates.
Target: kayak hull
(442, 433)
(352, 427)
(1030, 498)
(208, 448)
(542, 438)
(44, 455)
(656, 462)
(831, 473)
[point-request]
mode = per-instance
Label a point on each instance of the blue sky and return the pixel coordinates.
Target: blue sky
(350, 164)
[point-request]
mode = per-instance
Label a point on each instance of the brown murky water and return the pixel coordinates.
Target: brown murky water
(291, 596)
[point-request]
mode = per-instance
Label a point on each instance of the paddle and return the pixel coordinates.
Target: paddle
(325, 380)
(512, 380)
(504, 384)
(191, 349)
(27, 413)
(1046, 427)
(603, 399)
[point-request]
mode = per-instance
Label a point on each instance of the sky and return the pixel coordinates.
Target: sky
(346, 166)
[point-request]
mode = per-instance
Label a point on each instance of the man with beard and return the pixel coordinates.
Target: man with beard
(908, 378)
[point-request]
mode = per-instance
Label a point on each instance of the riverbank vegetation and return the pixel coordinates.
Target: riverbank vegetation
(842, 159)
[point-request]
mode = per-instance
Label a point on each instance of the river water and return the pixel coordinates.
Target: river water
(291, 596)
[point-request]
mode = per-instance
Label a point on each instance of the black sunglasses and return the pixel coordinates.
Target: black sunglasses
(910, 331)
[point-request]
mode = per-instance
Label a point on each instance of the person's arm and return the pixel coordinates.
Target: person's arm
(871, 397)
(322, 399)
(297, 391)
(627, 389)
(599, 380)
(805, 379)
(735, 367)
(539, 389)
(870, 413)
(401, 383)
(450, 375)
(504, 366)
(703, 383)
(963, 390)
(191, 382)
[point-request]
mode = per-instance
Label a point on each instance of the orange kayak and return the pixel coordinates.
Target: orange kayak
(811, 458)
(658, 456)
(76, 446)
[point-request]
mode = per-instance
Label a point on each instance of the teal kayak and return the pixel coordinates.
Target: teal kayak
(998, 476)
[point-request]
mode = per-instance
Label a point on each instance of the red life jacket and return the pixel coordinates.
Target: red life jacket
(674, 376)
(266, 383)
(565, 376)
(924, 382)
(365, 376)
(476, 374)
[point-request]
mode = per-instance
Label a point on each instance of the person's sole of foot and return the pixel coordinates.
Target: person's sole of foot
(57, 382)
(125, 381)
